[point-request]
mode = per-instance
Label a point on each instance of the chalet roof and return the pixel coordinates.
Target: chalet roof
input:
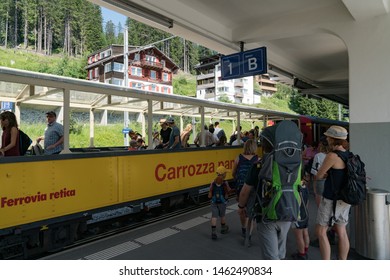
(131, 49)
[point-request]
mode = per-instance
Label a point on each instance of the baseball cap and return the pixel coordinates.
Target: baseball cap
(221, 170)
(51, 113)
(170, 120)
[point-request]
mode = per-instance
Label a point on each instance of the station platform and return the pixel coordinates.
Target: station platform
(188, 237)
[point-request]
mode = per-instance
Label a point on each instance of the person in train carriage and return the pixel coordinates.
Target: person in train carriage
(133, 135)
(133, 146)
(214, 137)
(140, 143)
(54, 135)
(165, 133)
(185, 135)
(209, 138)
(218, 193)
(10, 136)
(219, 132)
(174, 138)
(156, 139)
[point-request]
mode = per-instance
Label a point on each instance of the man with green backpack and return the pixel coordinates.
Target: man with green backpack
(276, 178)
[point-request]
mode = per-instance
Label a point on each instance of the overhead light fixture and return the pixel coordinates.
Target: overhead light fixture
(142, 12)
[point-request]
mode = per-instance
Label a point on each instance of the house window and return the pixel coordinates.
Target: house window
(107, 67)
(90, 74)
(96, 72)
(116, 81)
(119, 67)
(165, 77)
(165, 89)
(163, 63)
(153, 75)
(223, 89)
(136, 71)
(153, 87)
(150, 58)
(137, 57)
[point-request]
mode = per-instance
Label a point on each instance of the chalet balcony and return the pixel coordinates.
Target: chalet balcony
(239, 95)
(204, 86)
(205, 76)
(151, 65)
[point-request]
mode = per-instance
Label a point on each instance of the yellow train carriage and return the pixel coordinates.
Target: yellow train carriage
(42, 189)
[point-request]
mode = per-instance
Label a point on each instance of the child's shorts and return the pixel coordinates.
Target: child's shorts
(218, 210)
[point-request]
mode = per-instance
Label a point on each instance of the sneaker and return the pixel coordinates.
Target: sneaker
(225, 229)
(297, 256)
(213, 236)
(243, 232)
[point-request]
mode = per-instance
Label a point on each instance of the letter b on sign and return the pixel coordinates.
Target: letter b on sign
(252, 64)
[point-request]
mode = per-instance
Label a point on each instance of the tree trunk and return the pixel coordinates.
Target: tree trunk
(39, 45)
(16, 24)
(45, 33)
(25, 43)
(6, 31)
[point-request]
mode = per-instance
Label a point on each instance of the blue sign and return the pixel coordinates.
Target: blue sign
(125, 130)
(248, 63)
(7, 106)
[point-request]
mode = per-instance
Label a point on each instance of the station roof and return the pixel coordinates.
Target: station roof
(299, 34)
(25, 87)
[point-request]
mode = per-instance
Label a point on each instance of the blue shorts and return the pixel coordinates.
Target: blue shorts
(218, 210)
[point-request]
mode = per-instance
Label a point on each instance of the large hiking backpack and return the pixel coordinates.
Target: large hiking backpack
(278, 192)
(354, 192)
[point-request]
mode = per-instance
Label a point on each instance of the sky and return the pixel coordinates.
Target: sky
(113, 16)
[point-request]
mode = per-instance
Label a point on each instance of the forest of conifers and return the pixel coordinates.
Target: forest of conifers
(76, 28)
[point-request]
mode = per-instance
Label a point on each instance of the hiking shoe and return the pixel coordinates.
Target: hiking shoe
(214, 236)
(315, 243)
(248, 241)
(224, 229)
(243, 232)
(297, 256)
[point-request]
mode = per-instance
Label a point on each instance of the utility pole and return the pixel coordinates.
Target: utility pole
(126, 79)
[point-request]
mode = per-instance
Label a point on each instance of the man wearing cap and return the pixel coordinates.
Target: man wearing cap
(54, 135)
(174, 138)
(333, 170)
(165, 133)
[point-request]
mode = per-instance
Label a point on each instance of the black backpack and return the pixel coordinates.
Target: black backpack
(24, 142)
(354, 192)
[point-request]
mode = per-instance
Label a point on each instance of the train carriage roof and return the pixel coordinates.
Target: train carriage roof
(26, 87)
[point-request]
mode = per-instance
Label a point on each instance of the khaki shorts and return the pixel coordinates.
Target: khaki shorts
(325, 212)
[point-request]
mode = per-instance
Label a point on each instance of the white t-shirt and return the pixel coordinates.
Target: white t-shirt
(317, 162)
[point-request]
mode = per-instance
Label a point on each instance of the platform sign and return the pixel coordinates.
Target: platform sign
(248, 63)
(125, 130)
(7, 106)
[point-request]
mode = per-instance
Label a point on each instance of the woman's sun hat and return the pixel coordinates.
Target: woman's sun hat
(337, 132)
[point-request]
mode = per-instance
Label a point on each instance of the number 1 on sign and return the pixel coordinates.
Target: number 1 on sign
(230, 68)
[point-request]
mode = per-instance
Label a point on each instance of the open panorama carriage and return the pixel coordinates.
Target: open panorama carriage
(47, 202)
